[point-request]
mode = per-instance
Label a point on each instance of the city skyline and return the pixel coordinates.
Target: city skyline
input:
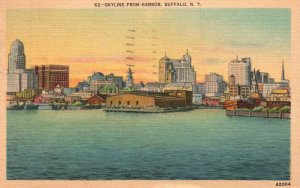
(98, 44)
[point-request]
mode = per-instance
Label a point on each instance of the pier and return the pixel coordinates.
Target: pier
(245, 113)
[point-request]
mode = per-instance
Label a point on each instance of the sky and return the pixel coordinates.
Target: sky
(95, 40)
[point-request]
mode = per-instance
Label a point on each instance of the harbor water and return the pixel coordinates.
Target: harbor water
(202, 144)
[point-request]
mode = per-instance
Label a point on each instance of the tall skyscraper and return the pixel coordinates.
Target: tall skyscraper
(16, 58)
(241, 70)
(18, 77)
(166, 71)
(177, 70)
(49, 76)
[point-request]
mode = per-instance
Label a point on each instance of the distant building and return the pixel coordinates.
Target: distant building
(214, 85)
(271, 81)
(83, 95)
(177, 70)
(153, 87)
(166, 71)
(197, 98)
(49, 76)
(18, 77)
(200, 88)
(83, 86)
(245, 91)
(241, 69)
(234, 92)
(262, 77)
(179, 86)
(129, 79)
(100, 83)
(26, 94)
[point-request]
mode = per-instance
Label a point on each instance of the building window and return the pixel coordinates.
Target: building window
(119, 102)
(111, 102)
(137, 102)
(128, 102)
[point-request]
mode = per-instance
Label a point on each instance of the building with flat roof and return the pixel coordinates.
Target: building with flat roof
(150, 100)
(241, 69)
(214, 85)
(49, 76)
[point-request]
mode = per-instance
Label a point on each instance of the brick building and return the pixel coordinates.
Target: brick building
(49, 76)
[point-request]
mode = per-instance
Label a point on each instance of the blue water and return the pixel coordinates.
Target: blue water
(199, 144)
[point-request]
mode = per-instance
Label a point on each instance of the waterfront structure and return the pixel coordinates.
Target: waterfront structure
(211, 101)
(49, 76)
(43, 99)
(139, 100)
(214, 85)
(279, 97)
(96, 99)
(71, 99)
(186, 95)
(18, 77)
(197, 98)
(26, 94)
(241, 69)
(267, 88)
(176, 70)
(83, 95)
(150, 100)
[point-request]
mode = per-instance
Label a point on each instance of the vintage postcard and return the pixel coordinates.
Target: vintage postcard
(174, 93)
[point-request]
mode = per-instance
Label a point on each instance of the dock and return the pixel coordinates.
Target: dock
(148, 110)
(245, 113)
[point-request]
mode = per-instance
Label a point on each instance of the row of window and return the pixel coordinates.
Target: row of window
(128, 103)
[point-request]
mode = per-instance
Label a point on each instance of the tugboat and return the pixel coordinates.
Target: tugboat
(230, 105)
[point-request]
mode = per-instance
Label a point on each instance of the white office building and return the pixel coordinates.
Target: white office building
(241, 70)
